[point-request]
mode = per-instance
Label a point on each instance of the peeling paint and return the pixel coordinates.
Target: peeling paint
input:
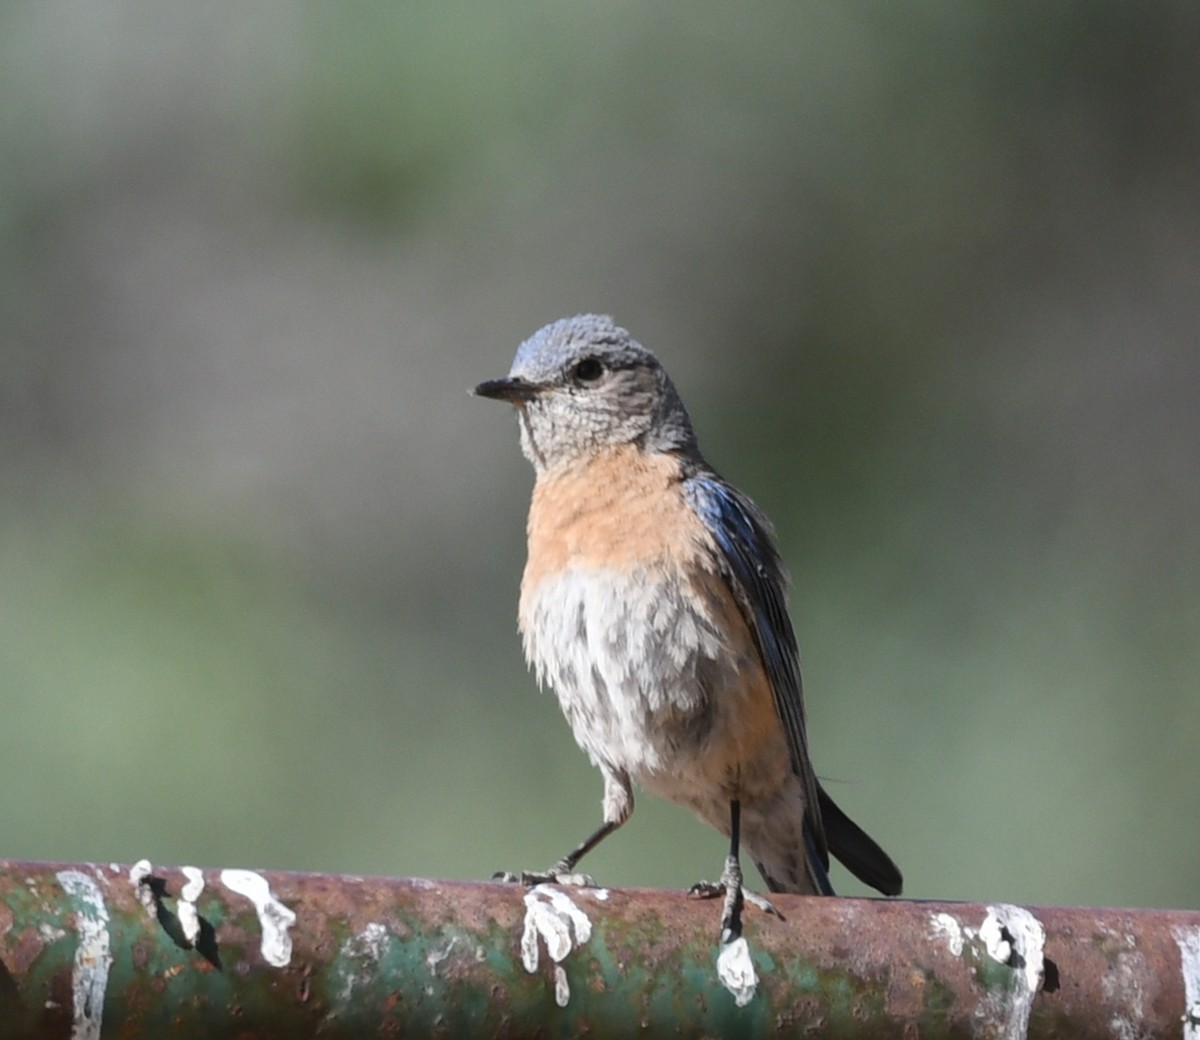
(1121, 985)
(992, 932)
(553, 916)
(273, 916)
(185, 909)
(1006, 930)
(946, 927)
(1122, 988)
(364, 950)
(1188, 941)
(562, 988)
(369, 942)
(139, 874)
(93, 957)
(736, 971)
(438, 954)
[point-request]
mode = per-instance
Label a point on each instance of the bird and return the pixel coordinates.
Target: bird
(653, 603)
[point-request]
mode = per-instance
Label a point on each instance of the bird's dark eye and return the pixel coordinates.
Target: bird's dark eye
(588, 370)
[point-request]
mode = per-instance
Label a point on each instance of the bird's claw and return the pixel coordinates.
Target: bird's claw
(553, 876)
(763, 904)
(735, 897)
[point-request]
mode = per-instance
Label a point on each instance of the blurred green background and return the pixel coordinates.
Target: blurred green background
(928, 277)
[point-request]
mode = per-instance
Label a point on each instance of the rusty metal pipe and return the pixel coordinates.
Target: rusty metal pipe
(88, 950)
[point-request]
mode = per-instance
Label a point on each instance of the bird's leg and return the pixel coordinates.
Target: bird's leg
(730, 884)
(563, 872)
(618, 807)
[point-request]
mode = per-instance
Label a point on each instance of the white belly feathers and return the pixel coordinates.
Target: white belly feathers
(639, 667)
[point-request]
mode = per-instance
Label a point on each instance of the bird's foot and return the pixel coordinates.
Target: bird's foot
(730, 886)
(712, 889)
(559, 874)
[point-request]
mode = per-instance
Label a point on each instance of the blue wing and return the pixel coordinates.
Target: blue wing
(755, 574)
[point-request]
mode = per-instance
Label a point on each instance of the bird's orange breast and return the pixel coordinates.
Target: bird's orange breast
(620, 509)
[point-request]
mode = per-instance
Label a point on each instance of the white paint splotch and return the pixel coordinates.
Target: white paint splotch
(556, 919)
(93, 956)
(735, 969)
(139, 876)
(274, 918)
(1188, 941)
(1012, 936)
(185, 909)
(1006, 931)
(947, 928)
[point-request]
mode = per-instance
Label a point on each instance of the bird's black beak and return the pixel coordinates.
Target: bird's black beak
(511, 389)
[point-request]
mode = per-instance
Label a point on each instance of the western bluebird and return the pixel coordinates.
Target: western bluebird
(653, 602)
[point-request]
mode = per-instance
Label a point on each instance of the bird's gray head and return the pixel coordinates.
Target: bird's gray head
(583, 384)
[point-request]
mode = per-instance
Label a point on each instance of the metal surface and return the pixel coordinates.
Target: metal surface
(92, 950)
